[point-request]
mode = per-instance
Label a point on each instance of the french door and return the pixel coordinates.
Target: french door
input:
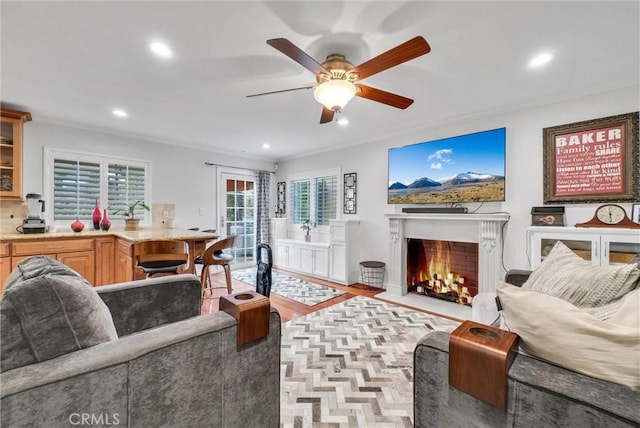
(237, 207)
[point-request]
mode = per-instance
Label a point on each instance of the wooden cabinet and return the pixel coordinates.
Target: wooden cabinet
(344, 248)
(82, 262)
(5, 263)
(315, 261)
(29, 247)
(602, 246)
(311, 258)
(338, 268)
(11, 126)
(78, 254)
(101, 258)
(280, 254)
(105, 260)
(336, 260)
(124, 261)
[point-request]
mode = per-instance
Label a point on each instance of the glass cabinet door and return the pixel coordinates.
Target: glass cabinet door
(583, 248)
(617, 250)
(11, 122)
(6, 157)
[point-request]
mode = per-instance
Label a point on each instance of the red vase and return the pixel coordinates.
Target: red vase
(96, 216)
(105, 224)
(77, 225)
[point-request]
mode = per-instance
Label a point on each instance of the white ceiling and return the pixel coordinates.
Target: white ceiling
(75, 61)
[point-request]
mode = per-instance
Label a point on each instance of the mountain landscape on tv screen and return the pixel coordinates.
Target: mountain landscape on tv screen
(462, 187)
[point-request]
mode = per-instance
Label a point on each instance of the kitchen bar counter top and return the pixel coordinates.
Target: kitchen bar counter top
(143, 234)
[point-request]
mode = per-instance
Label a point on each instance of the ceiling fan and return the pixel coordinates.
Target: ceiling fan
(337, 78)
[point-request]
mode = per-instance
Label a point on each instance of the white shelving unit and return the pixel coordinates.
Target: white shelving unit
(602, 246)
(336, 260)
(344, 237)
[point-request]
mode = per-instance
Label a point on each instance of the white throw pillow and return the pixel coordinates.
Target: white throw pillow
(561, 333)
(566, 275)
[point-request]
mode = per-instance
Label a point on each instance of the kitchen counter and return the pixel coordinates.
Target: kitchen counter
(100, 257)
(143, 234)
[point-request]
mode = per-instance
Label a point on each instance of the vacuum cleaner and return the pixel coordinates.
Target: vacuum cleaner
(263, 271)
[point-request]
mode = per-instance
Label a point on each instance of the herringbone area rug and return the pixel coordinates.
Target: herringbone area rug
(351, 365)
(296, 289)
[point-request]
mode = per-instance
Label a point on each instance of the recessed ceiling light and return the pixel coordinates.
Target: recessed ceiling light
(343, 121)
(119, 113)
(266, 146)
(540, 60)
(161, 49)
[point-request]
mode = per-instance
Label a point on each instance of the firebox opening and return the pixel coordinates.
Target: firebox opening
(445, 270)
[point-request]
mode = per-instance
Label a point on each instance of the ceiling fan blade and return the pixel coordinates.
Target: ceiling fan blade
(327, 115)
(297, 54)
(402, 53)
(282, 90)
(384, 97)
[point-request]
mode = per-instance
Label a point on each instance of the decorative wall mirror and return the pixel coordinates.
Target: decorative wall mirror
(350, 182)
(281, 197)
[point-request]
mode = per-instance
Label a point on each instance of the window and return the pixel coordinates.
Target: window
(76, 188)
(74, 181)
(325, 200)
(126, 184)
(300, 201)
(313, 196)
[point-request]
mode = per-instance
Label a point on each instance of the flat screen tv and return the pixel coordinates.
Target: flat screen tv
(466, 168)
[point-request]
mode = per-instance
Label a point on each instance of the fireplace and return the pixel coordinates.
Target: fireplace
(446, 270)
(482, 230)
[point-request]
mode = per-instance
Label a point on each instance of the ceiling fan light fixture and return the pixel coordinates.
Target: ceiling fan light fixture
(334, 94)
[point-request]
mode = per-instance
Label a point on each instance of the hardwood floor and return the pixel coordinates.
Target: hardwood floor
(288, 309)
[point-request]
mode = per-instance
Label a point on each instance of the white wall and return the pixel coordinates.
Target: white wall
(179, 175)
(524, 169)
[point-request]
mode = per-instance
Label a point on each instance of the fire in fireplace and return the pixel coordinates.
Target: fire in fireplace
(443, 269)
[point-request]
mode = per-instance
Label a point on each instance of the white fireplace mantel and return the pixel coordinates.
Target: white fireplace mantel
(483, 229)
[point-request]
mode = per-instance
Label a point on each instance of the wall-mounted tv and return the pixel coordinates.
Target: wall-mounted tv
(466, 168)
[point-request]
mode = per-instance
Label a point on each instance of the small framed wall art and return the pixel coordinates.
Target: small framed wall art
(281, 195)
(350, 194)
(592, 161)
(635, 213)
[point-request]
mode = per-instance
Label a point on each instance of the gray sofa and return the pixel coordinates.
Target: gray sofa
(169, 367)
(540, 394)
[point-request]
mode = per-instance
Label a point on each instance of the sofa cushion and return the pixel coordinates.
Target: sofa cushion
(566, 275)
(557, 331)
(47, 310)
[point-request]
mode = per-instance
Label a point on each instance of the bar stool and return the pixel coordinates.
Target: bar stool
(197, 260)
(215, 256)
(161, 257)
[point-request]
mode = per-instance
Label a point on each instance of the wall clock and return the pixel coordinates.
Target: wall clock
(610, 215)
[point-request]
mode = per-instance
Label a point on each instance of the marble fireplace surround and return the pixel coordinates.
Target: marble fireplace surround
(483, 229)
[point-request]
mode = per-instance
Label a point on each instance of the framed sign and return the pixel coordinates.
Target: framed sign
(350, 181)
(281, 198)
(592, 161)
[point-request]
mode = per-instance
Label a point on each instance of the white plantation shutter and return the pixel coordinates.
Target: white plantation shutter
(76, 187)
(300, 196)
(126, 185)
(74, 181)
(326, 191)
(314, 196)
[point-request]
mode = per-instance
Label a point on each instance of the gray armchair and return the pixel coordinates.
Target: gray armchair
(168, 367)
(540, 394)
